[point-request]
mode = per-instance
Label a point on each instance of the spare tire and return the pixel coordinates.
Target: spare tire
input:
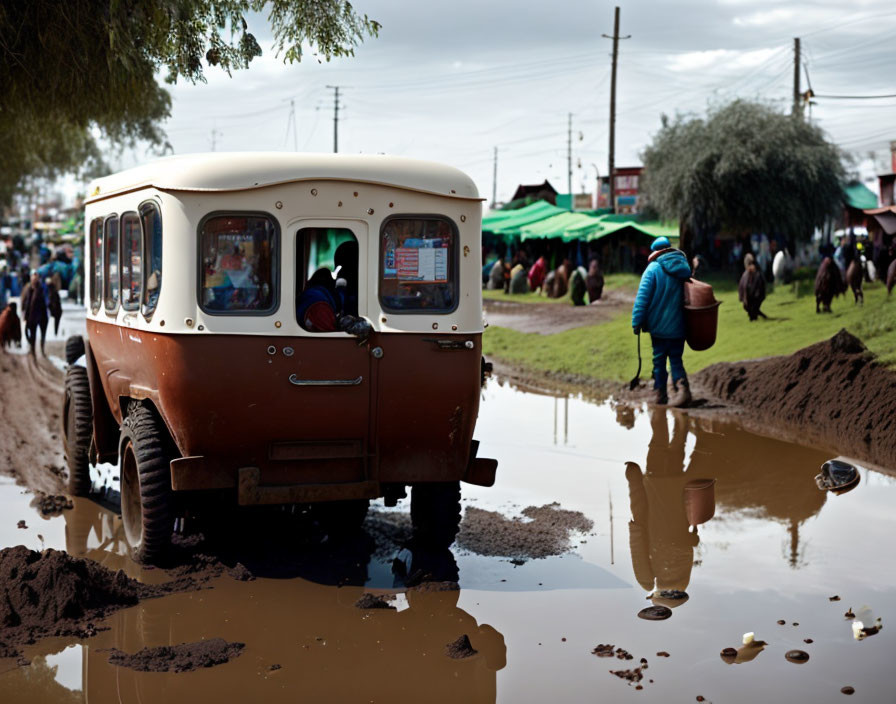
(74, 349)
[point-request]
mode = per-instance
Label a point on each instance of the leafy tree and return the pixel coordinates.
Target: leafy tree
(744, 168)
(77, 71)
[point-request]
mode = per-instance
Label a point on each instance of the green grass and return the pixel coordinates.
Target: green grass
(611, 282)
(608, 350)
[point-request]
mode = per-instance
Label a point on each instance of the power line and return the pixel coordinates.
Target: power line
(855, 97)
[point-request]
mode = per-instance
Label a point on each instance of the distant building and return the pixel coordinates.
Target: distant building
(887, 181)
(628, 191)
(534, 192)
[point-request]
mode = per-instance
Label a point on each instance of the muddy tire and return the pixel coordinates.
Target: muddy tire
(74, 349)
(341, 519)
(146, 497)
(435, 513)
(77, 429)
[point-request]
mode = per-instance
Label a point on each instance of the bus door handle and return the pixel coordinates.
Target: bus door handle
(293, 379)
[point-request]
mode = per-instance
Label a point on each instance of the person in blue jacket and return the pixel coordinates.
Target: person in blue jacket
(659, 310)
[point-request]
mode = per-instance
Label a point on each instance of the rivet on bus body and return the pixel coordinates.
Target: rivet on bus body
(278, 205)
(370, 211)
(435, 326)
(466, 250)
(453, 191)
(340, 204)
(161, 323)
(377, 352)
(356, 194)
(468, 344)
(454, 327)
(188, 322)
(383, 318)
(391, 205)
(277, 324)
(288, 351)
(463, 218)
(201, 327)
(272, 349)
(314, 191)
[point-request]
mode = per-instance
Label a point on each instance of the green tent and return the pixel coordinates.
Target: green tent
(555, 226)
(510, 222)
(859, 196)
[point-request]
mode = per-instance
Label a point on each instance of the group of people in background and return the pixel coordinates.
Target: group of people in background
(36, 275)
(514, 275)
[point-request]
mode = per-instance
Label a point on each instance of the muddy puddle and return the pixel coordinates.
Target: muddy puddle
(768, 546)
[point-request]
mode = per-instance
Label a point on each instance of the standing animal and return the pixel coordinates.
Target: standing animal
(10, 327)
(751, 290)
(854, 276)
(594, 281)
(891, 277)
(828, 283)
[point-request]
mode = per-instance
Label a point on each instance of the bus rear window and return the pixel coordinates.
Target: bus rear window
(238, 258)
(418, 266)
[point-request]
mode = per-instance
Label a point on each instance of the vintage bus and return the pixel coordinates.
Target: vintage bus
(280, 328)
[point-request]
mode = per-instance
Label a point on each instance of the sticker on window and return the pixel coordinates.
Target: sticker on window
(418, 264)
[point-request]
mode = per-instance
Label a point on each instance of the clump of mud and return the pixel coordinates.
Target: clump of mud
(833, 392)
(50, 505)
(460, 648)
(546, 532)
(178, 658)
(374, 601)
(50, 593)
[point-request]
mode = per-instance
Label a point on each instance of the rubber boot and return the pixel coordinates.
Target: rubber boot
(681, 395)
(660, 398)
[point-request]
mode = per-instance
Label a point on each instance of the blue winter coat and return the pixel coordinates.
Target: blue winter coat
(659, 305)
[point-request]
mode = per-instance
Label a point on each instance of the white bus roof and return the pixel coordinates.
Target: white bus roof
(236, 171)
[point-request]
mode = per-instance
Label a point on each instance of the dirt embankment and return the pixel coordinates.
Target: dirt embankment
(51, 593)
(833, 393)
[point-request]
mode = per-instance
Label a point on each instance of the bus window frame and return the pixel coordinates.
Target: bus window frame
(145, 310)
(130, 308)
(455, 265)
(113, 310)
(276, 257)
(96, 287)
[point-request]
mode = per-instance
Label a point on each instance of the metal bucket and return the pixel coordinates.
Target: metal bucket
(699, 500)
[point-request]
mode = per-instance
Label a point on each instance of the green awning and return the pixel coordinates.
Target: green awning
(555, 226)
(510, 222)
(859, 196)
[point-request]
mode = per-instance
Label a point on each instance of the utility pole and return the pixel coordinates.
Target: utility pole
(295, 126)
(569, 159)
(797, 110)
(612, 165)
(495, 179)
(335, 90)
(215, 134)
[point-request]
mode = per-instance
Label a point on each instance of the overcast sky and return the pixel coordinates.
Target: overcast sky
(451, 81)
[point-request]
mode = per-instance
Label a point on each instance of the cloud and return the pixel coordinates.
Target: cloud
(695, 60)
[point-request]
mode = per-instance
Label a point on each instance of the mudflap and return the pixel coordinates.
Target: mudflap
(480, 470)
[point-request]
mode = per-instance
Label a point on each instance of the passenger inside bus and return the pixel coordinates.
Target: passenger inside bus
(346, 261)
(317, 308)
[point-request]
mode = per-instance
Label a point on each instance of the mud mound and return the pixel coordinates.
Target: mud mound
(178, 658)
(546, 533)
(833, 393)
(460, 648)
(50, 593)
(50, 505)
(374, 601)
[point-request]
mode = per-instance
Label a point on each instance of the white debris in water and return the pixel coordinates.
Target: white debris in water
(858, 629)
(748, 638)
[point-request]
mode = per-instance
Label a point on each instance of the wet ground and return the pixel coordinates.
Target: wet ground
(768, 546)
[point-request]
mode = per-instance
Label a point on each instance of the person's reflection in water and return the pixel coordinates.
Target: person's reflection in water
(661, 542)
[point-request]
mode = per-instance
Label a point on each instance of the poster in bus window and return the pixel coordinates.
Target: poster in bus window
(418, 260)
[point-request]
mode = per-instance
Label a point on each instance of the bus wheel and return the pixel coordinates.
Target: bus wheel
(77, 428)
(146, 496)
(341, 519)
(435, 513)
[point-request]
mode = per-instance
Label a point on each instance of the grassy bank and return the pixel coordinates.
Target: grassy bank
(608, 350)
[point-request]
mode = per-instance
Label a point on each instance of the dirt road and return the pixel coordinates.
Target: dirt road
(548, 318)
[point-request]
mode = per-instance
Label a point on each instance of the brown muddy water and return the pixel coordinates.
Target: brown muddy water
(770, 548)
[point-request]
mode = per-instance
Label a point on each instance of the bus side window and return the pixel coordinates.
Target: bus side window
(326, 276)
(110, 263)
(96, 264)
(131, 261)
(152, 256)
